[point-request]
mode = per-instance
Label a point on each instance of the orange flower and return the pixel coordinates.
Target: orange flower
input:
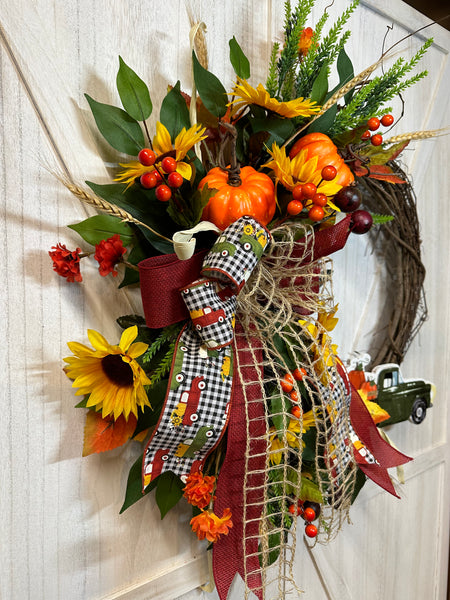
(305, 41)
(199, 489)
(208, 525)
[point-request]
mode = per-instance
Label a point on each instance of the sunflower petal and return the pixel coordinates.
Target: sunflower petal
(128, 337)
(184, 170)
(137, 349)
(98, 341)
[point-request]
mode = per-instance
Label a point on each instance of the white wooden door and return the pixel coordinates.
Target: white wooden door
(61, 534)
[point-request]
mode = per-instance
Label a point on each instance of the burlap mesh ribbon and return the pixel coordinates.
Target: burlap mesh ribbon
(262, 472)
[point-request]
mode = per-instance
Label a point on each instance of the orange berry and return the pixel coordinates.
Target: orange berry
(319, 200)
(309, 514)
(296, 411)
(316, 213)
(294, 396)
(287, 383)
(297, 192)
(329, 172)
(311, 530)
(299, 373)
(309, 189)
(294, 207)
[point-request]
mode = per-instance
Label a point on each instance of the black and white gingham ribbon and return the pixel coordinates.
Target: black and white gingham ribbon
(197, 402)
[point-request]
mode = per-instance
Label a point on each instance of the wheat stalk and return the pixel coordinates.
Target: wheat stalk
(105, 206)
(199, 39)
(416, 135)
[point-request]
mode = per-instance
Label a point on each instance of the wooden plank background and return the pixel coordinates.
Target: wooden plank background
(62, 536)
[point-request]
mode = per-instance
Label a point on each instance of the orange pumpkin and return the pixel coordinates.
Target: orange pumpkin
(370, 388)
(319, 144)
(357, 378)
(253, 196)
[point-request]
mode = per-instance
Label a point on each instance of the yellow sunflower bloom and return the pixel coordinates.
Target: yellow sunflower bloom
(110, 374)
(324, 352)
(246, 94)
(162, 144)
(276, 445)
(300, 170)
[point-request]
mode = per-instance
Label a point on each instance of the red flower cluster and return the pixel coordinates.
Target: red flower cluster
(208, 525)
(66, 262)
(108, 253)
(199, 489)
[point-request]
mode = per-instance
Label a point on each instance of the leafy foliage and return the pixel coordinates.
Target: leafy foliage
(100, 227)
(133, 93)
(118, 128)
(368, 101)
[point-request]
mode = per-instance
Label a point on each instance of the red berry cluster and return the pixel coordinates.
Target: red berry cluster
(156, 178)
(373, 124)
(287, 385)
(306, 196)
(309, 511)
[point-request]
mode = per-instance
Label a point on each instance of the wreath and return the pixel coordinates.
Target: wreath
(225, 219)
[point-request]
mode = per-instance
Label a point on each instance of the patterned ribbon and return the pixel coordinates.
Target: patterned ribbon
(369, 450)
(196, 407)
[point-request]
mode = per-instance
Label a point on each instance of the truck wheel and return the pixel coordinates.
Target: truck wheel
(419, 411)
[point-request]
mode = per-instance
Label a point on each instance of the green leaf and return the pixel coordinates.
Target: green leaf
(83, 403)
(101, 227)
(199, 200)
(284, 351)
(169, 490)
(133, 93)
(117, 127)
(238, 59)
(210, 89)
(320, 86)
(274, 540)
(279, 130)
(150, 416)
(359, 484)
(381, 219)
(279, 408)
(324, 123)
(144, 207)
(174, 112)
(310, 491)
(346, 72)
(131, 276)
(134, 485)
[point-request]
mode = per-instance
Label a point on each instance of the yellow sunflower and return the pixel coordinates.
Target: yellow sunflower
(324, 351)
(246, 94)
(276, 445)
(162, 143)
(110, 374)
(300, 170)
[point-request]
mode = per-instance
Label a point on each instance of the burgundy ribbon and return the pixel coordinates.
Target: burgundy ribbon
(161, 278)
(366, 430)
(229, 557)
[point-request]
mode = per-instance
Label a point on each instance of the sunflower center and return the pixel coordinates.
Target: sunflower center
(117, 371)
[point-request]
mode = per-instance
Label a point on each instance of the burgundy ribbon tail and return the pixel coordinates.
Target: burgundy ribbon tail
(385, 455)
(229, 557)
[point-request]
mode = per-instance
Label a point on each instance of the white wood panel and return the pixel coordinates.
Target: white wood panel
(62, 536)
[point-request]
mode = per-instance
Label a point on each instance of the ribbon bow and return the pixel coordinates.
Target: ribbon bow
(196, 406)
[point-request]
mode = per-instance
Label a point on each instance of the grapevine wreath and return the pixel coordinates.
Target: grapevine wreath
(225, 216)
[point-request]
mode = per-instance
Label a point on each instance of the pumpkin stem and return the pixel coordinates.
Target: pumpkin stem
(234, 169)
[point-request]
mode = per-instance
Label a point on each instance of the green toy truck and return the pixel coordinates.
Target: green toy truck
(402, 398)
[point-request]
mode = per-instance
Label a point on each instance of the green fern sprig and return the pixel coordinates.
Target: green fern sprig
(381, 219)
(324, 53)
(167, 335)
(164, 365)
(369, 100)
(272, 79)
